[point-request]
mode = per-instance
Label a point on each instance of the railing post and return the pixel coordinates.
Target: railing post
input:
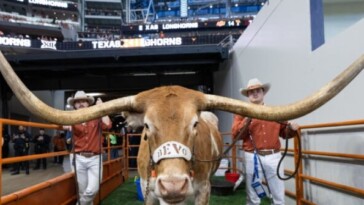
(298, 179)
(233, 156)
(108, 147)
(125, 155)
(127, 151)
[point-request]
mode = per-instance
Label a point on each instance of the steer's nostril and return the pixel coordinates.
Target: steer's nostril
(162, 188)
(184, 187)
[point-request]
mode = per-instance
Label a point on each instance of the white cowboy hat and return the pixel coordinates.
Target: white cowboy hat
(254, 84)
(80, 95)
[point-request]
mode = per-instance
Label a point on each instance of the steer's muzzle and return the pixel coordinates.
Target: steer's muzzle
(173, 189)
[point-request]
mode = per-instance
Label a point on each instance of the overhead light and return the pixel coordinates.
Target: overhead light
(180, 73)
(144, 74)
(95, 94)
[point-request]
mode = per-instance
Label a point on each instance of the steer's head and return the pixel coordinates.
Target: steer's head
(171, 122)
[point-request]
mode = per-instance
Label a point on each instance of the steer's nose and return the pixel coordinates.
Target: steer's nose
(173, 188)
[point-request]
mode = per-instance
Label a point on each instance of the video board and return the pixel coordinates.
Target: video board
(173, 26)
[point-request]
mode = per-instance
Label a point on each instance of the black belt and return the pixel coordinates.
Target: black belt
(87, 154)
(265, 152)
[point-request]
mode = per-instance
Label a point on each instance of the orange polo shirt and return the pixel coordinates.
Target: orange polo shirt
(265, 133)
(88, 136)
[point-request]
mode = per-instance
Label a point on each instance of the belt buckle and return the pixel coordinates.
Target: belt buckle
(266, 152)
(87, 154)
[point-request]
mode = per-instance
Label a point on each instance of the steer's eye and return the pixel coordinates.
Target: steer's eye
(146, 126)
(195, 125)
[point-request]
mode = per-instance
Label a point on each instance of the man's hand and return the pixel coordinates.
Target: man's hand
(98, 101)
(248, 120)
(105, 119)
(244, 123)
(67, 127)
(245, 127)
(293, 126)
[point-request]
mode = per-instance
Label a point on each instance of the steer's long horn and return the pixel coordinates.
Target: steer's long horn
(40, 109)
(293, 110)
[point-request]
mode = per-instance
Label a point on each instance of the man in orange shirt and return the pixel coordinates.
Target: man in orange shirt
(261, 146)
(87, 161)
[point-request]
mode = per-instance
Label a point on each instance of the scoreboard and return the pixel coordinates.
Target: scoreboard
(175, 26)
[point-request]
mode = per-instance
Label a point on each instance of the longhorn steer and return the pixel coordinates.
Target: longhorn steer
(174, 128)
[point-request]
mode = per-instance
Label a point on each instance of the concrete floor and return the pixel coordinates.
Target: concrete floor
(13, 183)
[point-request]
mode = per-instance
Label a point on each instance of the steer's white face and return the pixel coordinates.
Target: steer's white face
(171, 122)
(170, 133)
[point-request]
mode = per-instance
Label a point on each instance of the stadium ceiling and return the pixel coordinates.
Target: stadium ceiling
(119, 72)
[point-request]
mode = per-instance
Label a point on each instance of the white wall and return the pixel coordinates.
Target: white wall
(276, 48)
(339, 16)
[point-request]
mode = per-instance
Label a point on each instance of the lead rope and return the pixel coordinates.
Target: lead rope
(285, 153)
(149, 170)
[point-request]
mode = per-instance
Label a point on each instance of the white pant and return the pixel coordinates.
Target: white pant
(270, 164)
(89, 177)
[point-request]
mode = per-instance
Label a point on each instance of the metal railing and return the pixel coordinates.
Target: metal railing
(302, 176)
(298, 194)
(114, 173)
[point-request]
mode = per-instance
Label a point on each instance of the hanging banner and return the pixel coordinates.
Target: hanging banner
(9, 41)
(137, 42)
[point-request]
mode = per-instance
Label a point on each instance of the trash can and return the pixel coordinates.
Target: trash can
(139, 189)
